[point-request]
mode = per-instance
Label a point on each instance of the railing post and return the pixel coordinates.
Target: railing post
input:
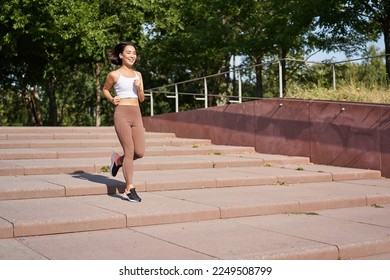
(280, 79)
(151, 103)
(334, 75)
(150, 94)
(176, 98)
(239, 87)
(206, 95)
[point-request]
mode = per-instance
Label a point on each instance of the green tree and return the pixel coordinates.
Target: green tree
(44, 42)
(347, 25)
(53, 53)
(23, 56)
(83, 31)
(182, 41)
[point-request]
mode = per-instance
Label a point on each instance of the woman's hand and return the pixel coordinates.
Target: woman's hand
(115, 100)
(138, 84)
(140, 87)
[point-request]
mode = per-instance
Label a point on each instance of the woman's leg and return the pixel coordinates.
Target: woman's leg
(138, 132)
(131, 134)
(123, 122)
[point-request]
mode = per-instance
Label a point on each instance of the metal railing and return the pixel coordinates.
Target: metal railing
(237, 73)
(205, 96)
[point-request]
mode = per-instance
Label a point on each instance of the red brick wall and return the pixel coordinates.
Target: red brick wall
(332, 133)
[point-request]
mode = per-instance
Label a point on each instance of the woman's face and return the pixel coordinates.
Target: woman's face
(129, 55)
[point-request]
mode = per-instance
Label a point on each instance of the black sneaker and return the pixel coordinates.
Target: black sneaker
(114, 167)
(133, 196)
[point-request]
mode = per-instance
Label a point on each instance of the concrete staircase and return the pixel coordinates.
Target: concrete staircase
(200, 201)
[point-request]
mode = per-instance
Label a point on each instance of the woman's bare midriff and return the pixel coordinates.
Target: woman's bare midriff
(129, 101)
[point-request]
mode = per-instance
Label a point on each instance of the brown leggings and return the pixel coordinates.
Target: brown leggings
(131, 134)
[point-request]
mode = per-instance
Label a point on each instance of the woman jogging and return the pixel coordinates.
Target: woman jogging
(128, 124)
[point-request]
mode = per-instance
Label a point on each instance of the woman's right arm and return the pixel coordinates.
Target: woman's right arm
(109, 83)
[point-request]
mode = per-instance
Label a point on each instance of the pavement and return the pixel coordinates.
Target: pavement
(199, 201)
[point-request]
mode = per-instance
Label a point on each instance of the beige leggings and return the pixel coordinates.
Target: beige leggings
(131, 134)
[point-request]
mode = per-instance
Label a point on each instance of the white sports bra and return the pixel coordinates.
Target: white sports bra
(125, 87)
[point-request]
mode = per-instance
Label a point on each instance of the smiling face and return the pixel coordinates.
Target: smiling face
(129, 55)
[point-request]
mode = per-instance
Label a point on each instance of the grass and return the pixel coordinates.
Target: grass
(344, 92)
(376, 206)
(104, 169)
(305, 213)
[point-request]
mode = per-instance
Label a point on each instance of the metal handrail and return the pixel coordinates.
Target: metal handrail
(175, 95)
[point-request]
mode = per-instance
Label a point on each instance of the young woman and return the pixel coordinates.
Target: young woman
(128, 124)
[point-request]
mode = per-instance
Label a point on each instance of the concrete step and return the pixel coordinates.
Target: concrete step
(59, 185)
(95, 165)
(199, 201)
(43, 216)
(333, 234)
(26, 134)
(33, 156)
(87, 143)
(93, 152)
(49, 135)
(55, 129)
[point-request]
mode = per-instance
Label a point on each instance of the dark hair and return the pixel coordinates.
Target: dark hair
(113, 54)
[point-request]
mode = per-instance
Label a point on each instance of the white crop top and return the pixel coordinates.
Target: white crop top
(125, 87)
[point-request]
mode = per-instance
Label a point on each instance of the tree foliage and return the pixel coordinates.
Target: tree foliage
(53, 53)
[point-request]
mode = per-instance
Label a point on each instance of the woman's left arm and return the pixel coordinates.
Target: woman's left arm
(140, 87)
